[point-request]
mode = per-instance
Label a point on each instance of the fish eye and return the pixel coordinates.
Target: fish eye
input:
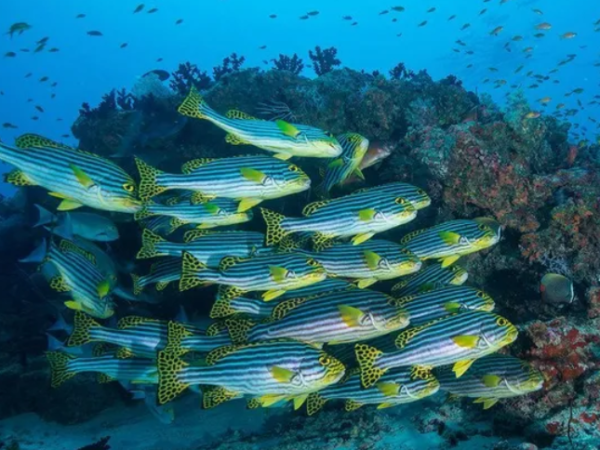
(313, 263)
(324, 360)
(480, 294)
(421, 192)
(293, 168)
(501, 321)
(129, 187)
(400, 201)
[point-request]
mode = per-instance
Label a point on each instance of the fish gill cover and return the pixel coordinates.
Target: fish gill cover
(301, 216)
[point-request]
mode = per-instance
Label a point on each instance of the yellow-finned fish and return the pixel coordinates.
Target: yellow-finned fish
(339, 169)
(280, 137)
(79, 178)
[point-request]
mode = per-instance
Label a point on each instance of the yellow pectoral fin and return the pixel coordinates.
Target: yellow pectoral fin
(385, 405)
(75, 306)
(461, 367)
(248, 203)
(287, 128)
(338, 162)
(103, 288)
(388, 389)
(449, 237)
(278, 273)
(372, 259)
(83, 178)
(360, 238)
(446, 262)
(68, 205)
(487, 402)
(272, 294)
(359, 173)
(366, 214)
(466, 341)
(282, 156)
(491, 380)
(452, 306)
(366, 282)
(281, 374)
(351, 315)
(57, 195)
(299, 401)
(252, 174)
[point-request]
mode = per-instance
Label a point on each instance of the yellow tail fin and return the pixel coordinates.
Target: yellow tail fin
(215, 395)
(59, 368)
(366, 356)
(149, 241)
(222, 308)
(193, 105)
(82, 325)
(137, 286)
(190, 272)
(148, 180)
(275, 232)
(144, 213)
(169, 386)
(238, 330)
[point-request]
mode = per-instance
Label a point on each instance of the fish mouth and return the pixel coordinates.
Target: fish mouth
(511, 335)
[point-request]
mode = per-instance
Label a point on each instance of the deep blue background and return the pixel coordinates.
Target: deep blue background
(86, 67)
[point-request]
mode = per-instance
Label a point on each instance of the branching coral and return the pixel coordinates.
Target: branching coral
(292, 64)
(324, 61)
(230, 64)
(188, 75)
(399, 72)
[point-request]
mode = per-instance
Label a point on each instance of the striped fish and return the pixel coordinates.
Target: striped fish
(396, 387)
(160, 225)
(64, 366)
(416, 196)
(280, 137)
(432, 277)
(78, 178)
(359, 216)
(249, 179)
(274, 274)
(369, 262)
(209, 247)
(243, 305)
(216, 213)
(427, 306)
(450, 240)
(161, 273)
(334, 318)
(492, 378)
(277, 370)
(78, 273)
(457, 339)
(339, 169)
(137, 336)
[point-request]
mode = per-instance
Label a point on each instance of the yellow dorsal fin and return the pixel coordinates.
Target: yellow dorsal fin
(33, 140)
(272, 294)
(281, 310)
(228, 262)
(410, 236)
(219, 353)
(194, 164)
(240, 115)
(311, 208)
(192, 235)
(69, 247)
(448, 261)
(133, 321)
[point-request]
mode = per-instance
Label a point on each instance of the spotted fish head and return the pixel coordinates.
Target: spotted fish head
(528, 379)
(403, 210)
(101, 309)
(395, 319)
(121, 195)
(419, 198)
(289, 179)
(327, 146)
(332, 368)
(422, 384)
(487, 237)
(460, 275)
(482, 302)
(405, 264)
(496, 332)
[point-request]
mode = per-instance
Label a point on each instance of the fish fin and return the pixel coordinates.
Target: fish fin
(410, 236)
(211, 208)
(124, 353)
(270, 399)
(68, 205)
(17, 177)
(487, 402)
(359, 173)
(351, 405)
(221, 308)
(272, 294)
(193, 105)
(314, 403)
(149, 241)
(389, 389)
(248, 203)
(452, 307)
(372, 259)
(174, 223)
(59, 284)
(137, 286)
(282, 156)
(133, 321)
(148, 180)
(192, 235)
(287, 128)
(44, 216)
(281, 374)
(215, 395)
(69, 247)
(299, 401)
(104, 378)
(161, 285)
(366, 356)
(275, 231)
(176, 332)
(449, 237)
(289, 244)
(239, 115)
(278, 273)
(233, 139)
(366, 282)
(82, 326)
(169, 386)
(448, 261)
(460, 367)
(367, 215)
(281, 310)
(228, 262)
(466, 341)
(59, 367)
(491, 381)
(238, 330)
(57, 195)
(194, 164)
(322, 242)
(198, 198)
(230, 292)
(190, 270)
(360, 238)
(219, 353)
(75, 306)
(30, 140)
(84, 179)
(337, 162)
(313, 207)
(143, 213)
(253, 403)
(103, 288)
(385, 405)
(351, 316)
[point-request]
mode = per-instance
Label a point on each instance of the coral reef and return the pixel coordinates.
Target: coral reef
(188, 75)
(292, 64)
(324, 61)
(231, 64)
